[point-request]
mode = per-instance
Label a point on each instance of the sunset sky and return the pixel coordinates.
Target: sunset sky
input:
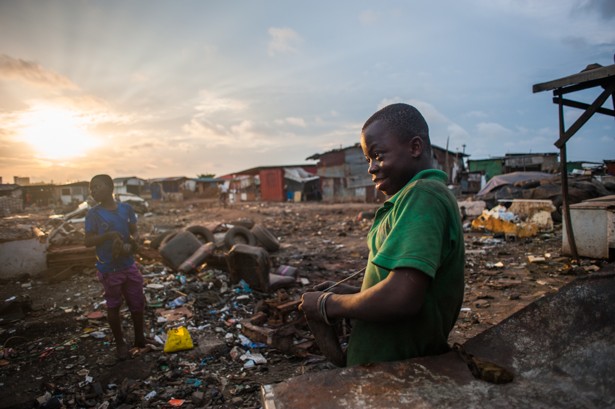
(153, 88)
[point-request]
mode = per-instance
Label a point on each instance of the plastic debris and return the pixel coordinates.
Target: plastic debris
(150, 395)
(178, 302)
(257, 358)
(176, 402)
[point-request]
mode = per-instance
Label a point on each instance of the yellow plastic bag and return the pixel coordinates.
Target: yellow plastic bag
(178, 339)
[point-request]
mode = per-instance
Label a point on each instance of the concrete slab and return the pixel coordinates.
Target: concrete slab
(19, 257)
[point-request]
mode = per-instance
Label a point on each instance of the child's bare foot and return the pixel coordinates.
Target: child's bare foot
(144, 342)
(136, 351)
(122, 352)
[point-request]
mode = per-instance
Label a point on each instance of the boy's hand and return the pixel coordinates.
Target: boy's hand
(309, 306)
(117, 248)
(132, 246)
(113, 236)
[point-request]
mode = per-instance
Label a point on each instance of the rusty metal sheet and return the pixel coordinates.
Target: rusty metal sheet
(560, 348)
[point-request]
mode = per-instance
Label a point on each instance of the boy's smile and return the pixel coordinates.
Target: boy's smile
(390, 158)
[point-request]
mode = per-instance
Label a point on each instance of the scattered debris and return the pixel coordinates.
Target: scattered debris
(239, 312)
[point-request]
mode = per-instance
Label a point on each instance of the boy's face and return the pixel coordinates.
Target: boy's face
(391, 162)
(100, 190)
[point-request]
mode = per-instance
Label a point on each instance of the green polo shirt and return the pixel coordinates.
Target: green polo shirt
(418, 227)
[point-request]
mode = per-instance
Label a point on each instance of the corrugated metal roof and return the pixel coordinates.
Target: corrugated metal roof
(169, 179)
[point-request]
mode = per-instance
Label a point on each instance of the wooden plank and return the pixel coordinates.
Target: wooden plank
(584, 76)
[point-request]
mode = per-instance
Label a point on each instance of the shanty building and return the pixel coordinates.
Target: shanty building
(344, 176)
(130, 184)
(75, 192)
(40, 194)
(274, 183)
(168, 189)
(11, 200)
(531, 162)
(515, 162)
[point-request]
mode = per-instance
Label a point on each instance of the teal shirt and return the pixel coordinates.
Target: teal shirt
(418, 227)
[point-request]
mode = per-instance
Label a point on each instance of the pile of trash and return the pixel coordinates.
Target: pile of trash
(521, 219)
(216, 301)
(544, 186)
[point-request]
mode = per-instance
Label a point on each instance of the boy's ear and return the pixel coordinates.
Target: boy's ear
(416, 146)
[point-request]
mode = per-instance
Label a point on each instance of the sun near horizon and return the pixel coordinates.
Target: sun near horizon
(56, 132)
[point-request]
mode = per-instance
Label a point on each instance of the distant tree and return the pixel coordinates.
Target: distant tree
(206, 175)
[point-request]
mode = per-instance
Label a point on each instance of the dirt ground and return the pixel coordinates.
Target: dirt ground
(60, 354)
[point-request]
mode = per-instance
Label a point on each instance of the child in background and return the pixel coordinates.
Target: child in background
(112, 228)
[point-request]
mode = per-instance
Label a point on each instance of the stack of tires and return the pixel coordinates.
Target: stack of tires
(176, 247)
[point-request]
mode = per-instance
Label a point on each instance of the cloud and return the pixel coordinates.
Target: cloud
(609, 141)
(544, 16)
(140, 76)
(203, 128)
(457, 133)
(244, 134)
(369, 17)
(283, 41)
(294, 121)
(494, 130)
(442, 130)
(604, 8)
(476, 114)
(33, 73)
(210, 103)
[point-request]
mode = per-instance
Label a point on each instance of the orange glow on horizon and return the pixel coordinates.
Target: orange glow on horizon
(56, 132)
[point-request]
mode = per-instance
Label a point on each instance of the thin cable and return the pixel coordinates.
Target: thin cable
(345, 279)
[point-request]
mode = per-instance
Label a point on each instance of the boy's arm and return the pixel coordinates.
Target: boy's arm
(132, 225)
(134, 237)
(93, 239)
(400, 295)
(134, 232)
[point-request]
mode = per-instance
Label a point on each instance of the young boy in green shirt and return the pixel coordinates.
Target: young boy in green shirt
(413, 286)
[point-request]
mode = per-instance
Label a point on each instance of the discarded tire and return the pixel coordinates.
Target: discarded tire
(160, 240)
(178, 248)
(202, 233)
(239, 235)
(244, 222)
(157, 240)
(265, 238)
(197, 258)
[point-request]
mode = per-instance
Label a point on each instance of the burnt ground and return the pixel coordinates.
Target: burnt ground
(60, 349)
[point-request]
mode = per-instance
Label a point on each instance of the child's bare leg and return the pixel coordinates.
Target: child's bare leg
(115, 322)
(138, 323)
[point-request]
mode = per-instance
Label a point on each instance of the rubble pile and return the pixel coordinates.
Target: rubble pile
(57, 349)
(580, 188)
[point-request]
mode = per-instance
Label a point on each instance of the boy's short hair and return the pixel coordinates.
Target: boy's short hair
(106, 179)
(404, 119)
